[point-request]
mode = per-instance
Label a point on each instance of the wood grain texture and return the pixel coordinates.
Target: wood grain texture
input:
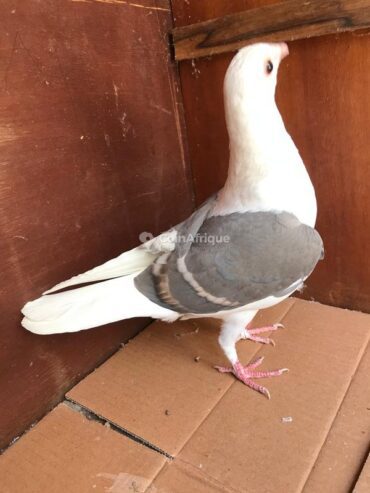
(324, 96)
(90, 156)
(287, 21)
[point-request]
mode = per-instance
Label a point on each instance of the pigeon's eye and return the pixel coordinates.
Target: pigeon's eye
(269, 67)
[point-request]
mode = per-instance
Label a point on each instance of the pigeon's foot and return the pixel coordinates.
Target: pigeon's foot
(246, 373)
(251, 334)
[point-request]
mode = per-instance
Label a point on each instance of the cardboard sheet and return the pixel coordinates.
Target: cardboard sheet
(244, 442)
(179, 477)
(313, 435)
(348, 442)
(155, 389)
(65, 452)
(226, 435)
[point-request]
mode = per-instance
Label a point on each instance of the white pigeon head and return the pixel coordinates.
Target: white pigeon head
(252, 74)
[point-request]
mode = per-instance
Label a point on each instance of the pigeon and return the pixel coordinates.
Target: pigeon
(248, 247)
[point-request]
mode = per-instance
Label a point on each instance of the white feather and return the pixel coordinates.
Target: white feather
(266, 171)
(130, 262)
(90, 306)
(127, 263)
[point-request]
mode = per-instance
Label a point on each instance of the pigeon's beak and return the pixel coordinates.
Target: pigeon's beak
(284, 50)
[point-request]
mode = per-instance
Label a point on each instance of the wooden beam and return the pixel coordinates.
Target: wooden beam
(288, 21)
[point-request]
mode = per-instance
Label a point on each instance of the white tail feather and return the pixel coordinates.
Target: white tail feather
(125, 264)
(90, 306)
(131, 262)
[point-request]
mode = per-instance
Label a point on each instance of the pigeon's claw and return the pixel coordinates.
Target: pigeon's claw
(251, 333)
(246, 373)
(261, 340)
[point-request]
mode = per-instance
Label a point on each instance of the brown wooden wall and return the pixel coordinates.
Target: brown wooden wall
(324, 96)
(90, 156)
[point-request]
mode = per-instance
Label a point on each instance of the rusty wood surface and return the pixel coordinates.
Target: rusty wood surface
(91, 155)
(287, 21)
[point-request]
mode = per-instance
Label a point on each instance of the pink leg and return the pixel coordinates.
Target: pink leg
(250, 333)
(246, 373)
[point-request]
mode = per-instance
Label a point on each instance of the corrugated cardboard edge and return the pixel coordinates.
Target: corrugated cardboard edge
(363, 483)
(67, 452)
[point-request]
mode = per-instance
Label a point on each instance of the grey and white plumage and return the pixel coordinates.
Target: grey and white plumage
(263, 220)
(245, 260)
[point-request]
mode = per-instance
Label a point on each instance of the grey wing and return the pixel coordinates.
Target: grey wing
(167, 241)
(232, 261)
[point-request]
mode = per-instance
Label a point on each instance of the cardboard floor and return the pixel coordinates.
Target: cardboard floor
(157, 418)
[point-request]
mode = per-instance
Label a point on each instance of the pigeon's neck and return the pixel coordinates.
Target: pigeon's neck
(266, 171)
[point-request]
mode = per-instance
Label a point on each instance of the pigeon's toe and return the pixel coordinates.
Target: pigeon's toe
(246, 373)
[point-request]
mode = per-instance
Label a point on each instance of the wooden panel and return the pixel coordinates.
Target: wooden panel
(287, 21)
(90, 156)
(324, 96)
